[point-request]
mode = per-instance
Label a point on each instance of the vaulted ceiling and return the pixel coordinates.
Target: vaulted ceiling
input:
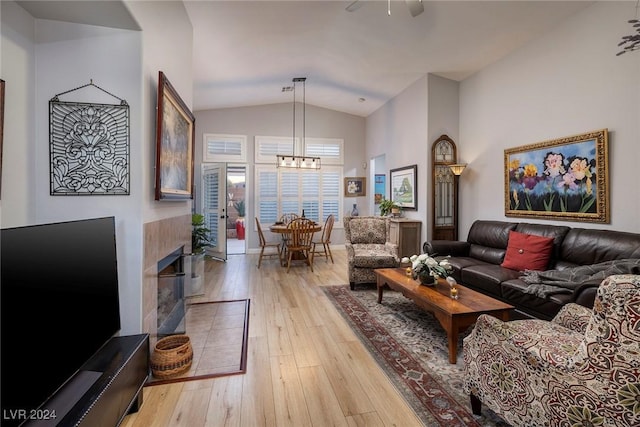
(245, 52)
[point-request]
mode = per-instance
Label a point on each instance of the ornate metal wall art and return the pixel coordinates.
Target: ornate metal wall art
(89, 147)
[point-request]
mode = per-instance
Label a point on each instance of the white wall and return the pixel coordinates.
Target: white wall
(565, 83)
(42, 58)
(276, 120)
(399, 131)
(168, 47)
(444, 114)
(18, 70)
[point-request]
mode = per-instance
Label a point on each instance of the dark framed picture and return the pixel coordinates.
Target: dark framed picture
(355, 186)
(404, 190)
(564, 178)
(175, 139)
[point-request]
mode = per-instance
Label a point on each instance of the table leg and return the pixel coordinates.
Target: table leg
(380, 284)
(451, 327)
(453, 345)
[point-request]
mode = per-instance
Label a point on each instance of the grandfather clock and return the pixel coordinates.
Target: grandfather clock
(446, 171)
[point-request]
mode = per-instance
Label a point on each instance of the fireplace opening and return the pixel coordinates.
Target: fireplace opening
(171, 301)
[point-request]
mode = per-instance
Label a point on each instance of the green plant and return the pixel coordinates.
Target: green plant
(239, 205)
(386, 206)
(199, 234)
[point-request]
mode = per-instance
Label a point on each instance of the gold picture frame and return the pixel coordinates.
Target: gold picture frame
(561, 179)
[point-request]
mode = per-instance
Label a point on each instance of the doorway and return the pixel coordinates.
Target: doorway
(224, 208)
(236, 209)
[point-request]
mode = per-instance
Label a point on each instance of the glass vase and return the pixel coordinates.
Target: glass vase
(426, 279)
(354, 211)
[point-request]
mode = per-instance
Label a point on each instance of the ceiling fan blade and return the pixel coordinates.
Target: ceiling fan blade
(355, 5)
(415, 7)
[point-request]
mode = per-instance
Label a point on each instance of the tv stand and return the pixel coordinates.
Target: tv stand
(105, 389)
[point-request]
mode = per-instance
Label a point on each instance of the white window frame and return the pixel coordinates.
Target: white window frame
(208, 157)
(285, 145)
(326, 159)
(320, 197)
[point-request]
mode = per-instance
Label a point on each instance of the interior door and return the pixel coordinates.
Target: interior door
(214, 207)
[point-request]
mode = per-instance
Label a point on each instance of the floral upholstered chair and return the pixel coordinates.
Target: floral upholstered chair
(368, 247)
(581, 368)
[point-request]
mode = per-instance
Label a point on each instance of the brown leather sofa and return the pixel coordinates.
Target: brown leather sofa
(476, 262)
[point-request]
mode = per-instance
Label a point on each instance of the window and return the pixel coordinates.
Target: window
(266, 148)
(279, 191)
(224, 148)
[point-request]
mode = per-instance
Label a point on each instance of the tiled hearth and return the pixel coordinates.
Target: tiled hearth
(161, 238)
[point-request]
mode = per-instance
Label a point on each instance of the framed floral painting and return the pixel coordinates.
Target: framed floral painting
(561, 179)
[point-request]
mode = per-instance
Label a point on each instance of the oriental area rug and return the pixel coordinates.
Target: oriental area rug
(218, 332)
(411, 348)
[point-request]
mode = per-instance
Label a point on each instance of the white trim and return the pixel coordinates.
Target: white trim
(275, 145)
(208, 157)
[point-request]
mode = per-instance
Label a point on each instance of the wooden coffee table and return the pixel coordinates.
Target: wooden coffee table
(455, 316)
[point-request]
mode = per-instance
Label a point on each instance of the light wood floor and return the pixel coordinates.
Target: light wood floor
(305, 365)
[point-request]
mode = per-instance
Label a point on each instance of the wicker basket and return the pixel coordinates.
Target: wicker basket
(172, 356)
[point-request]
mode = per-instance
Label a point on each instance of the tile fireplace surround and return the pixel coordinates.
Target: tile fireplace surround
(161, 238)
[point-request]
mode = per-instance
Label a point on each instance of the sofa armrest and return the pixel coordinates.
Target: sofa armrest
(393, 249)
(446, 247)
(573, 316)
(351, 254)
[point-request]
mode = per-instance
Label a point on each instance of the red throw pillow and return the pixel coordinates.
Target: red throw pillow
(527, 252)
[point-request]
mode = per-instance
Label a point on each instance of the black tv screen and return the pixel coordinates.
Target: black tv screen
(59, 305)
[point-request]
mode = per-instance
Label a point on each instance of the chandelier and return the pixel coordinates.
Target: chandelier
(291, 160)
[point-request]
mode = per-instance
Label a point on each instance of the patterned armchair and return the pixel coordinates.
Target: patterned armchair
(581, 368)
(368, 247)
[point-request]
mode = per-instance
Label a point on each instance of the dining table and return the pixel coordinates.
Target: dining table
(283, 229)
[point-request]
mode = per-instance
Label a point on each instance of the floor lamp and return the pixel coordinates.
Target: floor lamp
(457, 170)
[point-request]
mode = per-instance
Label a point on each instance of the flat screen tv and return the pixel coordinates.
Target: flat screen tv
(59, 305)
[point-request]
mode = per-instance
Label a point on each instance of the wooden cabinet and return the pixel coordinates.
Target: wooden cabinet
(407, 234)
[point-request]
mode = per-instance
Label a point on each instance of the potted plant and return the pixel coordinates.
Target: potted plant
(199, 243)
(240, 207)
(199, 234)
(388, 207)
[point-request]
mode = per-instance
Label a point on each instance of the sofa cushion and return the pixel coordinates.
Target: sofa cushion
(515, 291)
(527, 252)
(585, 246)
(368, 230)
(489, 240)
(487, 277)
(373, 256)
(558, 232)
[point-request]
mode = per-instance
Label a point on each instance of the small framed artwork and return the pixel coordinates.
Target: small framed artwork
(355, 186)
(561, 179)
(378, 188)
(175, 138)
(404, 187)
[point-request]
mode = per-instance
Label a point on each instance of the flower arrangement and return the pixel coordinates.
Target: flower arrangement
(424, 265)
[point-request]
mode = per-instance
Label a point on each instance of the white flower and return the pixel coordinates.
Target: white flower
(405, 260)
(424, 263)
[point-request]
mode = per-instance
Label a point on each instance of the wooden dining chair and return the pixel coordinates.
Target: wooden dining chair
(325, 240)
(288, 217)
(300, 243)
(268, 246)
